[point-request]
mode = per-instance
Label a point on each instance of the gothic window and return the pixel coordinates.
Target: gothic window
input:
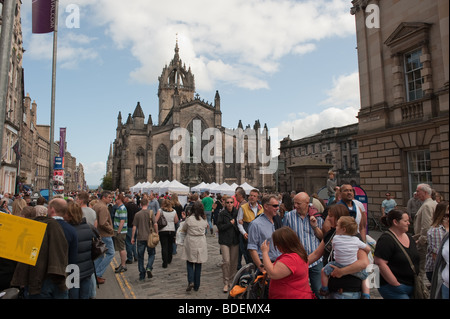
(140, 163)
(162, 163)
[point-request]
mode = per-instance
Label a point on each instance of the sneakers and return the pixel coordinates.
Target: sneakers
(149, 274)
(120, 269)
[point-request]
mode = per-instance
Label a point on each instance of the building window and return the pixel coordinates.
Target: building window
(140, 166)
(414, 79)
(355, 164)
(162, 163)
(419, 169)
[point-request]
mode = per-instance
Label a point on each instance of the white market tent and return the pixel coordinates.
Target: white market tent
(247, 188)
(223, 189)
(146, 188)
(200, 187)
(136, 188)
(174, 187)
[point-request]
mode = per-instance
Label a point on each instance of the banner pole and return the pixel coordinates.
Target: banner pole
(52, 116)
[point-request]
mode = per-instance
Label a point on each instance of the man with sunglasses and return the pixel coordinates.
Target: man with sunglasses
(261, 229)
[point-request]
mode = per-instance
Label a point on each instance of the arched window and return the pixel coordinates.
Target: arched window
(162, 163)
(140, 163)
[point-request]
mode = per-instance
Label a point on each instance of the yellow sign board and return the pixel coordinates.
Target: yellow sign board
(20, 238)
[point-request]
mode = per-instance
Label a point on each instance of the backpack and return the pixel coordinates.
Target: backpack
(312, 211)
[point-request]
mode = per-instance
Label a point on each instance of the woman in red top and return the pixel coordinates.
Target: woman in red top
(289, 273)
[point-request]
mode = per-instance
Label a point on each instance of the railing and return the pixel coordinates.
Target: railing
(412, 111)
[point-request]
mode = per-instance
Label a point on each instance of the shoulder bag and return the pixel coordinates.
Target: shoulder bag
(420, 290)
(98, 245)
(162, 221)
(153, 237)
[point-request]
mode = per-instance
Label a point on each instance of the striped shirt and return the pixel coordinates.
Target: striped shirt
(304, 231)
(121, 214)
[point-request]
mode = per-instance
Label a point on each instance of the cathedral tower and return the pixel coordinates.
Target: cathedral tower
(174, 78)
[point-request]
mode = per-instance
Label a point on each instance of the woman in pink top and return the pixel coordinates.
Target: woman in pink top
(289, 273)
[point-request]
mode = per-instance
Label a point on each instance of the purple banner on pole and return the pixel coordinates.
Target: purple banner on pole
(43, 16)
(62, 141)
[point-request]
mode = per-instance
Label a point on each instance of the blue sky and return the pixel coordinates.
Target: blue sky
(290, 64)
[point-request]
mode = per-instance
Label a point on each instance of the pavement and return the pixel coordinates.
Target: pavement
(171, 282)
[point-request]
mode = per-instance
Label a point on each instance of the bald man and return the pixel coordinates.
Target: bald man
(309, 231)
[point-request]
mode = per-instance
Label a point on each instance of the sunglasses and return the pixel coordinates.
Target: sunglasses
(275, 205)
(229, 202)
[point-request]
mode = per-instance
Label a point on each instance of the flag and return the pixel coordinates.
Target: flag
(16, 149)
(43, 16)
(62, 141)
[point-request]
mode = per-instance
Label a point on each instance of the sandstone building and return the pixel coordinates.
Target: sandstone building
(403, 57)
(307, 160)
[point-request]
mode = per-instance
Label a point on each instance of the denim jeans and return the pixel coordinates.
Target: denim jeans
(85, 290)
(48, 291)
(315, 278)
(131, 249)
(328, 270)
(102, 262)
(194, 271)
(345, 295)
(444, 292)
(208, 218)
(141, 247)
(396, 292)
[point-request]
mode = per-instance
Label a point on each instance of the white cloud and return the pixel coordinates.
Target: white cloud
(342, 108)
(94, 172)
(222, 40)
(232, 41)
(345, 91)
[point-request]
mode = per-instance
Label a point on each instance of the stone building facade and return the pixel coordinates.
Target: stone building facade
(143, 150)
(14, 105)
(403, 137)
(307, 160)
(35, 147)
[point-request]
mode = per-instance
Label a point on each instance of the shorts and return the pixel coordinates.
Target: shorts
(119, 241)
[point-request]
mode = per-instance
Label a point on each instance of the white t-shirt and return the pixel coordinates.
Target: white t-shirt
(346, 248)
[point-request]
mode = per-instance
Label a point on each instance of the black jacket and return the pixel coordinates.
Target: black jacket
(228, 232)
(84, 260)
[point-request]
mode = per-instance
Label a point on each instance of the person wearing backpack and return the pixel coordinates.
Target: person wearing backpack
(307, 223)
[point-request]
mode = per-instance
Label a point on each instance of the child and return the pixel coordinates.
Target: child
(331, 185)
(345, 247)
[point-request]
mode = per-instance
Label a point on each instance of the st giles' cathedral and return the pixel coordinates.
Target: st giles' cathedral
(141, 150)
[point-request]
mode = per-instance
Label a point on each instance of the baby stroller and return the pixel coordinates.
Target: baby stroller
(249, 283)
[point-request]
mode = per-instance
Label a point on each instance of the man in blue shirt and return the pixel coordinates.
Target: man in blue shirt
(261, 229)
(388, 204)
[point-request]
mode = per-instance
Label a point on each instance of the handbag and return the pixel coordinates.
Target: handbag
(98, 245)
(153, 237)
(162, 221)
(420, 290)
(180, 235)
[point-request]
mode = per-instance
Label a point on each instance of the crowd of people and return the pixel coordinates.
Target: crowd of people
(308, 249)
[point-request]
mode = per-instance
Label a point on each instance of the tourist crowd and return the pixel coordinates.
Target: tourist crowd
(306, 247)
